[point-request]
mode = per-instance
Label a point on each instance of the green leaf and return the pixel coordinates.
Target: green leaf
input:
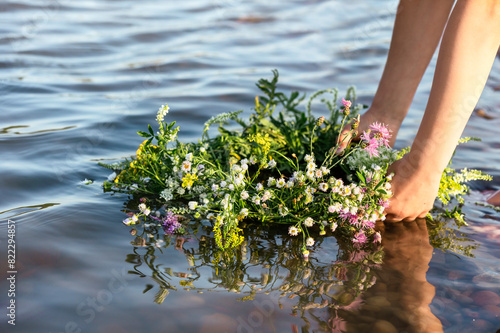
(144, 134)
(361, 177)
(150, 129)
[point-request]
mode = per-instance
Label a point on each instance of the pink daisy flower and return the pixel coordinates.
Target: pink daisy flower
(384, 132)
(346, 104)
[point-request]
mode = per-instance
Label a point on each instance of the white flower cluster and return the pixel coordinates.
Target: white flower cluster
(188, 178)
(162, 112)
(360, 158)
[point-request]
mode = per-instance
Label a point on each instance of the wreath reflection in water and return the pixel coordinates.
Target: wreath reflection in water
(268, 261)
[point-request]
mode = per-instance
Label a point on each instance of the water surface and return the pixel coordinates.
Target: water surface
(79, 78)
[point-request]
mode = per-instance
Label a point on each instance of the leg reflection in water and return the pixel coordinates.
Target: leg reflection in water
(399, 300)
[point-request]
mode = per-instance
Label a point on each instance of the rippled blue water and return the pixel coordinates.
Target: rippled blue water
(79, 78)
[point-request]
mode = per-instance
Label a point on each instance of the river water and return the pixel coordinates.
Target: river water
(79, 78)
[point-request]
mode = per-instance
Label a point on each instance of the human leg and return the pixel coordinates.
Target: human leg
(417, 30)
(470, 43)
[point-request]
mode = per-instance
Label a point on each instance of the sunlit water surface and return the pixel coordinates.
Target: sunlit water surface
(79, 78)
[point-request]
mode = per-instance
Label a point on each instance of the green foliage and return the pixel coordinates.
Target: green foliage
(279, 167)
(453, 183)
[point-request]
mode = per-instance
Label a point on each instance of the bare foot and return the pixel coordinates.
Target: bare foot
(414, 188)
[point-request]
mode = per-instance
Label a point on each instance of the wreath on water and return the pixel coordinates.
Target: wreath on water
(279, 167)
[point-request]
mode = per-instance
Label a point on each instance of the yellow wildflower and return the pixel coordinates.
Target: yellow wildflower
(188, 180)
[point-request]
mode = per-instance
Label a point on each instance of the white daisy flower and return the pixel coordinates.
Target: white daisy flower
(311, 166)
(192, 205)
(186, 166)
(323, 187)
(346, 190)
(271, 164)
(280, 183)
(309, 241)
(318, 173)
(310, 190)
(189, 157)
(283, 211)
(309, 158)
(223, 184)
(244, 195)
(238, 182)
(293, 231)
(308, 222)
(259, 187)
(334, 226)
